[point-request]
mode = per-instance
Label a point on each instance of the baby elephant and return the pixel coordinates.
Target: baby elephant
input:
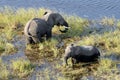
(81, 54)
(36, 28)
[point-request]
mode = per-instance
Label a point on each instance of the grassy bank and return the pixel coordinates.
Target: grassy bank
(12, 24)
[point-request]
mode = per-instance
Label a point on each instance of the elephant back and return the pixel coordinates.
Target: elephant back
(88, 50)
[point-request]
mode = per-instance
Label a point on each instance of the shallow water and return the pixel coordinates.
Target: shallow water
(19, 43)
(92, 9)
(44, 69)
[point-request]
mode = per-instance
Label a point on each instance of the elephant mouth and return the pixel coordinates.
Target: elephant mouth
(65, 30)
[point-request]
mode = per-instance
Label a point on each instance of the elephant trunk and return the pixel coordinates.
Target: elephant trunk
(65, 24)
(64, 31)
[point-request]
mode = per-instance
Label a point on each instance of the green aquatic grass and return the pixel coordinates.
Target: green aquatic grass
(17, 70)
(77, 25)
(46, 49)
(21, 67)
(4, 73)
(12, 24)
(10, 16)
(106, 70)
(2, 45)
(108, 41)
(6, 48)
(9, 33)
(106, 65)
(118, 24)
(10, 48)
(106, 21)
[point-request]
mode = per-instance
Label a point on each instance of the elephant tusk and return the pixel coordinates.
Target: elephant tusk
(66, 27)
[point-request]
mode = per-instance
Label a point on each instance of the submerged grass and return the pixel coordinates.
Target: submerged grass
(106, 21)
(12, 24)
(4, 73)
(108, 41)
(22, 67)
(107, 70)
(18, 69)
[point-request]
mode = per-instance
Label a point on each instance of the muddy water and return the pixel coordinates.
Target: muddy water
(92, 9)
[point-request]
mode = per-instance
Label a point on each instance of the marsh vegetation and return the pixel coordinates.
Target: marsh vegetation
(45, 60)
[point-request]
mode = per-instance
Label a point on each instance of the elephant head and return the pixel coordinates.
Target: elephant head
(56, 19)
(68, 53)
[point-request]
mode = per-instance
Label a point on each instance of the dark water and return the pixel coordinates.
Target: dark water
(92, 9)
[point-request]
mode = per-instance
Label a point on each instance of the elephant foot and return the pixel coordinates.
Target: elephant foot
(30, 41)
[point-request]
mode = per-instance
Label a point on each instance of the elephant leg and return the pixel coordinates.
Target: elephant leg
(73, 62)
(39, 37)
(48, 35)
(35, 39)
(29, 40)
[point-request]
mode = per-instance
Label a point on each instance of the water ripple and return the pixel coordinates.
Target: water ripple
(83, 8)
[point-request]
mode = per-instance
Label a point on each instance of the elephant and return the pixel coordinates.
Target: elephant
(37, 28)
(81, 54)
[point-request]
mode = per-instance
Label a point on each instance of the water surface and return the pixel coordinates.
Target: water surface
(92, 9)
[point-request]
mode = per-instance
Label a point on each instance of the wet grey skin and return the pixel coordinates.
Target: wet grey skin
(36, 28)
(81, 54)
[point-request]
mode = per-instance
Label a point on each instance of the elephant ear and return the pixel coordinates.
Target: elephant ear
(72, 44)
(45, 13)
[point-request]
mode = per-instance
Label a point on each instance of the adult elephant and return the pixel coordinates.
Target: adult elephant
(36, 28)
